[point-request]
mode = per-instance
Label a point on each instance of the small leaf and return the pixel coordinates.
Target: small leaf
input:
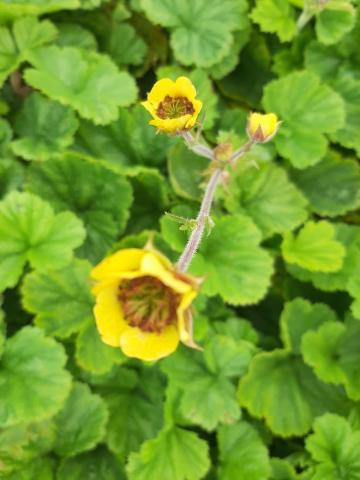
(234, 264)
(30, 231)
(87, 81)
(33, 382)
(242, 453)
(275, 16)
(314, 248)
(125, 46)
(81, 422)
(175, 453)
(334, 21)
(45, 128)
(303, 106)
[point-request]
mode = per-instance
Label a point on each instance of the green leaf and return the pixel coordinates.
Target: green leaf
(40, 468)
(348, 236)
(353, 287)
(175, 453)
(19, 8)
(87, 81)
(300, 316)
(27, 34)
(136, 413)
(100, 197)
(278, 383)
(45, 128)
(98, 464)
(267, 196)
(335, 448)
(275, 16)
(303, 106)
(332, 186)
(61, 299)
(125, 46)
(332, 351)
(33, 382)
(81, 422)
(11, 176)
(336, 19)
(242, 453)
(200, 35)
(30, 231)
(282, 470)
(233, 263)
(74, 35)
(185, 171)
(2, 333)
(314, 248)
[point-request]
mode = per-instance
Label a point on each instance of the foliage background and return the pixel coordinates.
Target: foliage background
(275, 395)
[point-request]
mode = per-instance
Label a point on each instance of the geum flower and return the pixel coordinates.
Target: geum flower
(142, 303)
(173, 105)
(262, 127)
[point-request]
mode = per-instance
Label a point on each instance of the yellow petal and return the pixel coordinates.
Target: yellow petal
(108, 315)
(163, 87)
(149, 107)
(123, 260)
(184, 304)
(170, 125)
(151, 265)
(192, 120)
(184, 88)
(149, 346)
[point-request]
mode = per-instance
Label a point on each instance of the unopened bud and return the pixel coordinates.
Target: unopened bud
(262, 127)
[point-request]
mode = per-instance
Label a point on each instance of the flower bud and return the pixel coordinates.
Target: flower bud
(262, 127)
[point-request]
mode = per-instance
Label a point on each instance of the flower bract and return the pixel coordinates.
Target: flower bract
(173, 105)
(143, 303)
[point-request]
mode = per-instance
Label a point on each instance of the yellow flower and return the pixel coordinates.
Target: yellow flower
(142, 303)
(173, 105)
(262, 127)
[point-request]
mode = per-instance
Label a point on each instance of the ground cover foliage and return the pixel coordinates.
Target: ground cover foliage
(275, 394)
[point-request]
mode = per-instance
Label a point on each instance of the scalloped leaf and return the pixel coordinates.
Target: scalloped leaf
(333, 352)
(175, 453)
(31, 232)
(334, 21)
(303, 106)
(233, 263)
(125, 46)
(314, 248)
(277, 383)
(45, 128)
(335, 448)
(267, 196)
(19, 8)
(243, 455)
(332, 186)
(33, 382)
(200, 35)
(80, 425)
(100, 197)
(275, 16)
(87, 81)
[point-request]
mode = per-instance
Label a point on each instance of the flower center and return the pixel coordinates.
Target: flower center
(148, 304)
(174, 107)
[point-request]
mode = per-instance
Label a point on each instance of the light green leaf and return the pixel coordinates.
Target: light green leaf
(300, 316)
(335, 448)
(267, 196)
(99, 197)
(61, 299)
(234, 264)
(40, 468)
(2, 333)
(332, 351)
(242, 453)
(275, 16)
(74, 35)
(87, 81)
(125, 46)
(98, 464)
(348, 236)
(303, 106)
(33, 382)
(19, 8)
(175, 453)
(332, 186)
(322, 60)
(353, 287)
(30, 231)
(200, 35)
(45, 128)
(282, 470)
(80, 425)
(11, 175)
(336, 19)
(314, 248)
(27, 33)
(282, 389)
